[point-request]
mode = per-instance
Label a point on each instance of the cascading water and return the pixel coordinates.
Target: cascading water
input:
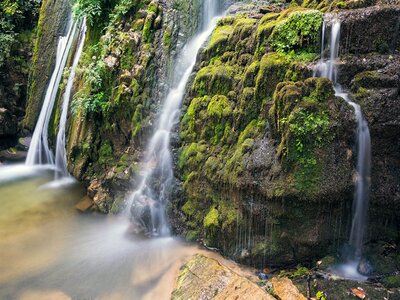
(147, 203)
(61, 156)
(328, 68)
(39, 151)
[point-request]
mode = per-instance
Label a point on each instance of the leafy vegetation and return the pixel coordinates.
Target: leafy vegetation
(295, 274)
(301, 30)
(87, 8)
(16, 16)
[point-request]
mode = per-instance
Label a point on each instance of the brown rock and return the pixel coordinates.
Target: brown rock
(286, 290)
(84, 204)
(93, 188)
(205, 278)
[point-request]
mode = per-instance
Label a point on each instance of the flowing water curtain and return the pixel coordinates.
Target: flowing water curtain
(39, 152)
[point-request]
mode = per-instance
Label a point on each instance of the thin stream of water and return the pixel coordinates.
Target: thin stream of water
(328, 69)
(157, 172)
(61, 156)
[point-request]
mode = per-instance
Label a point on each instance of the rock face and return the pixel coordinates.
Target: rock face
(382, 34)
(267, 156)
(205, 278)
(53, 22)
(374, 81)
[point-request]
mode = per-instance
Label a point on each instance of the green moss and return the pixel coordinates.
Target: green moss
(264, 30)
(326, 262)
(329, 5)
(192, 235)
(167, 38)
(219, 107)
(365, 79)
(148, 27)
(153, 7)
(235, 165)
(392, 281)
(272, 71)
(219, 37)
(241, 38)
(213, 80)
(211, 219)
(105, 153)
(250, 74)
(192, 155)
(295, 274)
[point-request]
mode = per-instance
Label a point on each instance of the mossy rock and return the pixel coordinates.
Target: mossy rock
(219, 39)
(328, 5)
(272, 71)
(371, 80)
(214, 80)
(302, 121)
(249, 78)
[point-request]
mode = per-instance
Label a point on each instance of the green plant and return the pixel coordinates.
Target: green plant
(87, 8)
(105, 153)
(320, 295)
(308, 128)
(294, 274)
(300, 30)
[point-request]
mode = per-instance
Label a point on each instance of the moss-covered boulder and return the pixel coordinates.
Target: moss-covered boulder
(259, 143)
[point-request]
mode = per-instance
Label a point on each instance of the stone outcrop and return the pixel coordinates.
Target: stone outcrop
(205, 278)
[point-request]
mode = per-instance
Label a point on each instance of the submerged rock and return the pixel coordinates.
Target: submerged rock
(205, 278)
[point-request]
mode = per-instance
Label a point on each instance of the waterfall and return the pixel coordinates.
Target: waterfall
(61, 156)
(147, 203)
(328, 68)
(39, 151)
